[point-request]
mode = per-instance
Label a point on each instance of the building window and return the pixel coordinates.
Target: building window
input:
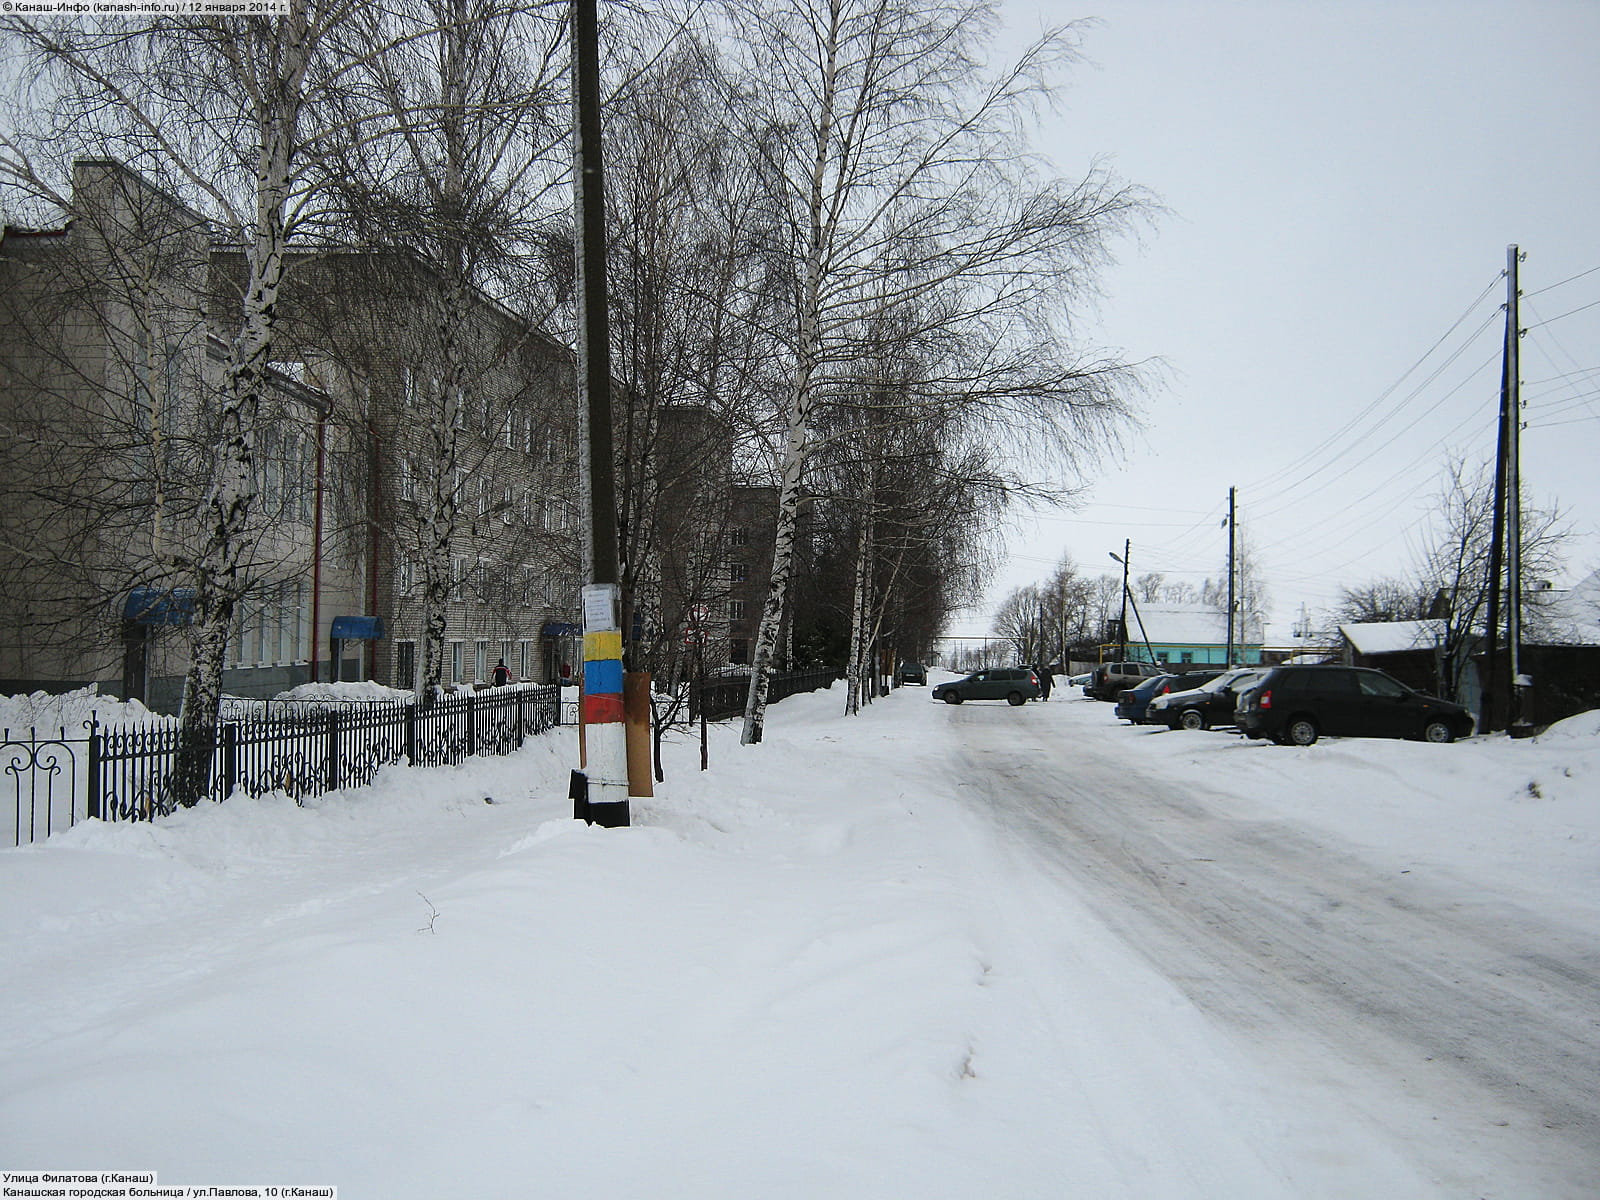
(481, 661)
(739, 650)
(737, 610)
(738, 536)
(738, 572)
(458, 654)
(405, 664)
(527, 659)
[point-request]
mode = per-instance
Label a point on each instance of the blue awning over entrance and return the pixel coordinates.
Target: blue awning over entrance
(354, 629)
(159, 606)
(555, 629)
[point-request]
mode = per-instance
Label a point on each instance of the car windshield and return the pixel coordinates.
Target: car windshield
(1228, 680)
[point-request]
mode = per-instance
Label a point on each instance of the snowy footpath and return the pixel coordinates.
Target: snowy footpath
(814, 971)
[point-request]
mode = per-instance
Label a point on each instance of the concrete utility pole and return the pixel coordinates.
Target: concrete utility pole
(1122, 634)
(601, 795)
(1521, 685)
(1231, 551)
(1505, 544)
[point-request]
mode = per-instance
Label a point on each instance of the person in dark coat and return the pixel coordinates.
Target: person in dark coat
(1046, 680)
(501, 674)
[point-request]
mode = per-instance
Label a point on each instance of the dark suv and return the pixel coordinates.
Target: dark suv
(1109, 679)
(1296, 705)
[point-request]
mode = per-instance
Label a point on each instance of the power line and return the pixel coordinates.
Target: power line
(1568, 313)
(1553, 286)
(1263, 484)
(1418, 419)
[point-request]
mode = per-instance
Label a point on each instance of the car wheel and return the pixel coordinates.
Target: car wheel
(1301, 731)
(1192, 719)
(1014, 699)
(1438, 731)
(952, 697)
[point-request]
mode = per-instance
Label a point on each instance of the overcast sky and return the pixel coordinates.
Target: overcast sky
(1344, 179)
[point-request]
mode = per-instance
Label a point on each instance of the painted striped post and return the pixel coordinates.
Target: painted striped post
(605, 736)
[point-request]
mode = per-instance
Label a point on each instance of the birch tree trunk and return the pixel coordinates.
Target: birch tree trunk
(801, 398)
(272, 70)
(788, 517)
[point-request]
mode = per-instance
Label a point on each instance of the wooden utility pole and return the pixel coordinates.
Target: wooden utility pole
(605, 783)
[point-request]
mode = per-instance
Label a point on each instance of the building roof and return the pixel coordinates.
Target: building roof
(1187, 625)
(1567, 618)
(1394, 637)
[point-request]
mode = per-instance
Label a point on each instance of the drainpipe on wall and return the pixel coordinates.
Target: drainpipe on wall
(372, 546)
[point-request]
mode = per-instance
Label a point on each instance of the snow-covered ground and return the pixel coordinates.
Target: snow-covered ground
(812, 971)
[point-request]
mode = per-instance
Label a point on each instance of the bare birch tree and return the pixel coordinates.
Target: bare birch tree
(893, 162)
(450, 160)
(216, 108)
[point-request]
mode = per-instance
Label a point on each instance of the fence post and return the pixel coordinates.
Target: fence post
(92, 770)
(333, 748)
(411, 733)
(230, 759)
(472, 723)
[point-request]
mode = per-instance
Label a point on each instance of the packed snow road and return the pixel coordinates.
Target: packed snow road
(1462, 1019)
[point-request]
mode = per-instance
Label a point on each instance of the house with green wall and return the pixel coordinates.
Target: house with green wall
(1192, 635)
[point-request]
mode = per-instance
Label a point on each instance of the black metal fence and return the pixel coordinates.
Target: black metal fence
(43, 778)
(301, 748)
(725, 695)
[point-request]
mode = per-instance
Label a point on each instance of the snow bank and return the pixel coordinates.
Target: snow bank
(365, 690)
(72, 711)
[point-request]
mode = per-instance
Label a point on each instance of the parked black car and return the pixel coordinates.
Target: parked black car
(1188, 681)
(1108, 679)
(1297, 705)
(911, 672)
(1015, 685)
(1202, 707)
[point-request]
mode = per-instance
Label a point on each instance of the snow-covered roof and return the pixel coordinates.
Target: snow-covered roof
(1567, 618)
(1394, 637)
(1187, 625)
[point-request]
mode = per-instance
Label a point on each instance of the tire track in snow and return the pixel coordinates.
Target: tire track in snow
(1480, 1018)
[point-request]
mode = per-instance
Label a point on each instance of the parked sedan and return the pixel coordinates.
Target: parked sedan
(1133, 703)
(912, 672)
(1297, 705)
(1205, 706)
(1014, 685)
